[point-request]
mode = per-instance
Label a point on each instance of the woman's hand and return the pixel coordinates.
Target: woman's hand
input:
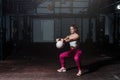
(59, 39)
(66, 39)
(71, 38)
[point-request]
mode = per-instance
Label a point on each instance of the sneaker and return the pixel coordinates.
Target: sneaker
(79, 73)
(61, 70)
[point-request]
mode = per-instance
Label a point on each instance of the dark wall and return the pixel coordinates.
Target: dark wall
(97, 25)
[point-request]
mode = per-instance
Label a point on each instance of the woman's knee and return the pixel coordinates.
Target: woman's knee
(62, 55)
(79, 52)
(77, 55)
(76, 58)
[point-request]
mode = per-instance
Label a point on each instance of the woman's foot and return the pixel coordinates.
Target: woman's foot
(61, 69)
(79, 73)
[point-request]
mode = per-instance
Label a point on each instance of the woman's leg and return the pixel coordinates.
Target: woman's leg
(77, 60)
(62, 56)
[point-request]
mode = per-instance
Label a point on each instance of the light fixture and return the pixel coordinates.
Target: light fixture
(118, 6)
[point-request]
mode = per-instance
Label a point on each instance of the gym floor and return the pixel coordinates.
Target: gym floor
(40, 62)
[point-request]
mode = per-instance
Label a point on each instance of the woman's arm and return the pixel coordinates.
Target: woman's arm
(71, 38)
(62, 39)
(66, 38)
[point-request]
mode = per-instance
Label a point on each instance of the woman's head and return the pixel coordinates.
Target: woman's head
(73, 29)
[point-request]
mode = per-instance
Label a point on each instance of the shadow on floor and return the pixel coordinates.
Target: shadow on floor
(93, 67)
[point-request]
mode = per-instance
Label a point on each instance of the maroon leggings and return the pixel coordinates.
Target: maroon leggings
(72, 52)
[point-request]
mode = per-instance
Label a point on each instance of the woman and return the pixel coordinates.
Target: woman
(73, 40)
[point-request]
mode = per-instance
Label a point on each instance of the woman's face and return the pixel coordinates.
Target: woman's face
(72, 30)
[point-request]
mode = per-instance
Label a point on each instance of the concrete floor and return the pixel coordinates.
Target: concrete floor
(30, 63)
